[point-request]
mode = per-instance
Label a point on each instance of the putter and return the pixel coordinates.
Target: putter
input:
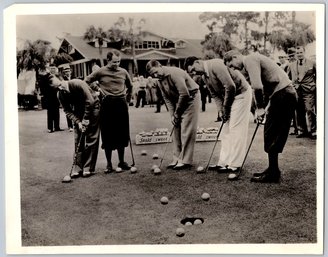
(133, 163)
(249, 147)
(160, 164)
(216, 141)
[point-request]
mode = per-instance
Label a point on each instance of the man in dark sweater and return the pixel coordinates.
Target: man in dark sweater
(81, 105)
(276, 100)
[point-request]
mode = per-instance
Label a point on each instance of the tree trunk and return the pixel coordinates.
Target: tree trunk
(100, 56)
(246, 38)
(266, 30)
(135, 64)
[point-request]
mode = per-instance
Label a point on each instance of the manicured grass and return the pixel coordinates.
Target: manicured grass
(125, 208)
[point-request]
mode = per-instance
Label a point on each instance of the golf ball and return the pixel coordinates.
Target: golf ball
(164, 200)
(118, 169)
(205, 196)
(133, 170)
(232, 176)
(197, 222)
(200, 169)
(155, 156)
(66, 179)
(180, 232)
(157, 171)
(188, 223)
(143, 152)
(154, 167)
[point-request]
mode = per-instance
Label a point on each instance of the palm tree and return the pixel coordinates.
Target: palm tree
(34, 55)
(96, 34)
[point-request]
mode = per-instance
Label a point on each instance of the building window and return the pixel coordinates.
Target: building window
(147, 45)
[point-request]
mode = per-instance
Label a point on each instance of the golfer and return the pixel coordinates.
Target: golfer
(116, 87)
(276, 99)
(82, 107)
(233, 97)
(181, 95)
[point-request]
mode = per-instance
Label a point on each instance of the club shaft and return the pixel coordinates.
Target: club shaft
(75, 153)
(216, 141)
(249, 147)
(132, 155)
(160, 164)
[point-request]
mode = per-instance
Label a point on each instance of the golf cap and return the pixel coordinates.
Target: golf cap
(291, 51)
(64, 66)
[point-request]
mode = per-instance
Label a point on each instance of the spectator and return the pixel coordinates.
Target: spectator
(116, 88)
(52, 102)
(141, 95)
(303, 74)
(65, 73)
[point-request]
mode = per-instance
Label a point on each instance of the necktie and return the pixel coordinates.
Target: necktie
(301, 62)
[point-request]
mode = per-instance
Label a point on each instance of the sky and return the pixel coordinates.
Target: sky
(49, 26)
(173, 25)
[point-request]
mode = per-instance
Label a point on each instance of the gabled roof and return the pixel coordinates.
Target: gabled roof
(154, 54)
(86, 50)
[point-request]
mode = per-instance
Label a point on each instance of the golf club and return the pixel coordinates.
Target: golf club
(249, 147)
(74, 160)
(132, 155)
(166, 148)
(216, 141)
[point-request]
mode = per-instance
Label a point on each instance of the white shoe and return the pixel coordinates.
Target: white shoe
(70, 130)
(86, 173)
(75, 174)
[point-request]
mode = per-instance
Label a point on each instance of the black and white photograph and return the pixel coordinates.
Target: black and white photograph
(164, 128)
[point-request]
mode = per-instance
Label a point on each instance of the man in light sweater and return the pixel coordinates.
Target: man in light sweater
(181, 95)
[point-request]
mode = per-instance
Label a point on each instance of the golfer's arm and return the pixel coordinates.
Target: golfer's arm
(254, 71)
(181, 86)
(68, 109)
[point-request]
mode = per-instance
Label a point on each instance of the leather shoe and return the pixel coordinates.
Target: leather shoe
(108, 170)
(171, 165)
(124, 166)
(258, 174)
(267, 178)
(302, 135)
(181, 166)
(215, 167)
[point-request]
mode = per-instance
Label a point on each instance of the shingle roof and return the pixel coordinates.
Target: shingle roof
(193, 48)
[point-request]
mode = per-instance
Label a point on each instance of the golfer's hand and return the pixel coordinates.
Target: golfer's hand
(82, 128)
(175, 121)
(85, 122)
(260, 113)
(225, 118)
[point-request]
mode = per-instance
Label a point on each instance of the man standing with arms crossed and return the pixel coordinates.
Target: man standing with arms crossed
(233, 97)
(116, 87)
(181, 95)
(303, 74)
(275, 98)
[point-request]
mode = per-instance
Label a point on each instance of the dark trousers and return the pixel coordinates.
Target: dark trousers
(278, 119)
(69, 123)
(305, 112)
(53, 117)
(141, 97)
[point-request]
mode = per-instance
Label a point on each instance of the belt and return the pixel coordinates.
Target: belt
(193, 92)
